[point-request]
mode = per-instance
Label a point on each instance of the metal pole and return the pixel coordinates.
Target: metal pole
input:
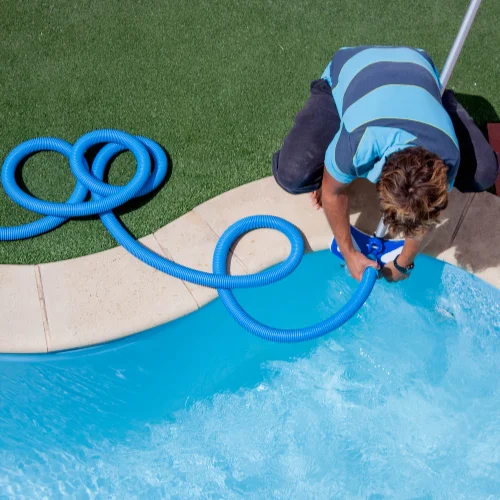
(382, 229)
(448, 67)
(451, 60)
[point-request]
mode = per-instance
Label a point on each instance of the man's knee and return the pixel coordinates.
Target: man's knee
(479, 172)
(479, 163)
(487, 169)
(296, 176)
(298, 166)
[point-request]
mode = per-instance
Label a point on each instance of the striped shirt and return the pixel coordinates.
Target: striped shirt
(388, 99)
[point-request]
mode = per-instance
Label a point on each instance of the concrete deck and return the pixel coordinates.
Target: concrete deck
(111, 294)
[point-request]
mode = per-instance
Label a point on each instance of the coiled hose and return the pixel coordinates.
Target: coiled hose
(106, 197)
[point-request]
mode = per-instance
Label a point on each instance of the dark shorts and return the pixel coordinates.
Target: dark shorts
(298, 165)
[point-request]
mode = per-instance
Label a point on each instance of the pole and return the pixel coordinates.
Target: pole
(448, 67)
(451, 60)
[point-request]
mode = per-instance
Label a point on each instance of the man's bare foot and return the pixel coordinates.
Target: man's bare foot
(316, 199)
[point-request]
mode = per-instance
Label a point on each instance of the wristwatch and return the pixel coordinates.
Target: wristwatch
(401, 269)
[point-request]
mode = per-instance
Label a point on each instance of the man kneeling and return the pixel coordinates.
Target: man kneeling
(377, 113)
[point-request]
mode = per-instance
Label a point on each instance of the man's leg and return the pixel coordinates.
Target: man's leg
(478, 168)
(298, 166)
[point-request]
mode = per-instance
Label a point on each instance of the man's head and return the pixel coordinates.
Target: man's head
(413, 190)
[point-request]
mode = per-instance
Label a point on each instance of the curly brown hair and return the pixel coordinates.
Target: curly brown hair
(413, 190)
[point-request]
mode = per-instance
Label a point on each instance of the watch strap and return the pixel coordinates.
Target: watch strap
(401, 269)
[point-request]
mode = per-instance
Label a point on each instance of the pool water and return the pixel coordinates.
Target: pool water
(401, 402)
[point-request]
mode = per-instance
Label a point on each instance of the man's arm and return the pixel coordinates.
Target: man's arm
(410, 251)
(336, 207)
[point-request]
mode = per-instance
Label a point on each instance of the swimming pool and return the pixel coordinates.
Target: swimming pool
(402, 401)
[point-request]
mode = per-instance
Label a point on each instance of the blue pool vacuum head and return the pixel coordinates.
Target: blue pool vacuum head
(384, 251)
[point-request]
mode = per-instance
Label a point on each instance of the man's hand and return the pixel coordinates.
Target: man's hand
(392, 275)
(357, 264)
(336, 207)
(407, 257)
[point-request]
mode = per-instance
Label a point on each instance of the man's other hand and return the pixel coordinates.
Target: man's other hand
(392, 275)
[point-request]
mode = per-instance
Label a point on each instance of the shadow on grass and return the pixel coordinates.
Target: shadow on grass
(481, 110)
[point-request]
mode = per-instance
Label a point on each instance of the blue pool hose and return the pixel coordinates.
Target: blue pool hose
(106, 197)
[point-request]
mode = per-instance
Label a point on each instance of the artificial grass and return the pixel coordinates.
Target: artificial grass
(217, 83)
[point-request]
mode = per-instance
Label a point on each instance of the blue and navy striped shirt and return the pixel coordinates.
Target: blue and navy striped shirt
(388, 99)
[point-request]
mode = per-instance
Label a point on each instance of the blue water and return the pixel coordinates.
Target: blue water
(402, 402)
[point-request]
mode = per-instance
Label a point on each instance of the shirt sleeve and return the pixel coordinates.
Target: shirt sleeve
(326, 74)
(331, 165)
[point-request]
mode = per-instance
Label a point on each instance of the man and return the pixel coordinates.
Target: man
(377, 113)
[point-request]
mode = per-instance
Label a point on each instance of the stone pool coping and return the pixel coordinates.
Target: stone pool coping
(108, 295)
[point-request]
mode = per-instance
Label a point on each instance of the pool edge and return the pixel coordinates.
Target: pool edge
(110, 295)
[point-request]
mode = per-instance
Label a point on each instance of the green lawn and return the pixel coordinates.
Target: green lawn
(216, 82)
